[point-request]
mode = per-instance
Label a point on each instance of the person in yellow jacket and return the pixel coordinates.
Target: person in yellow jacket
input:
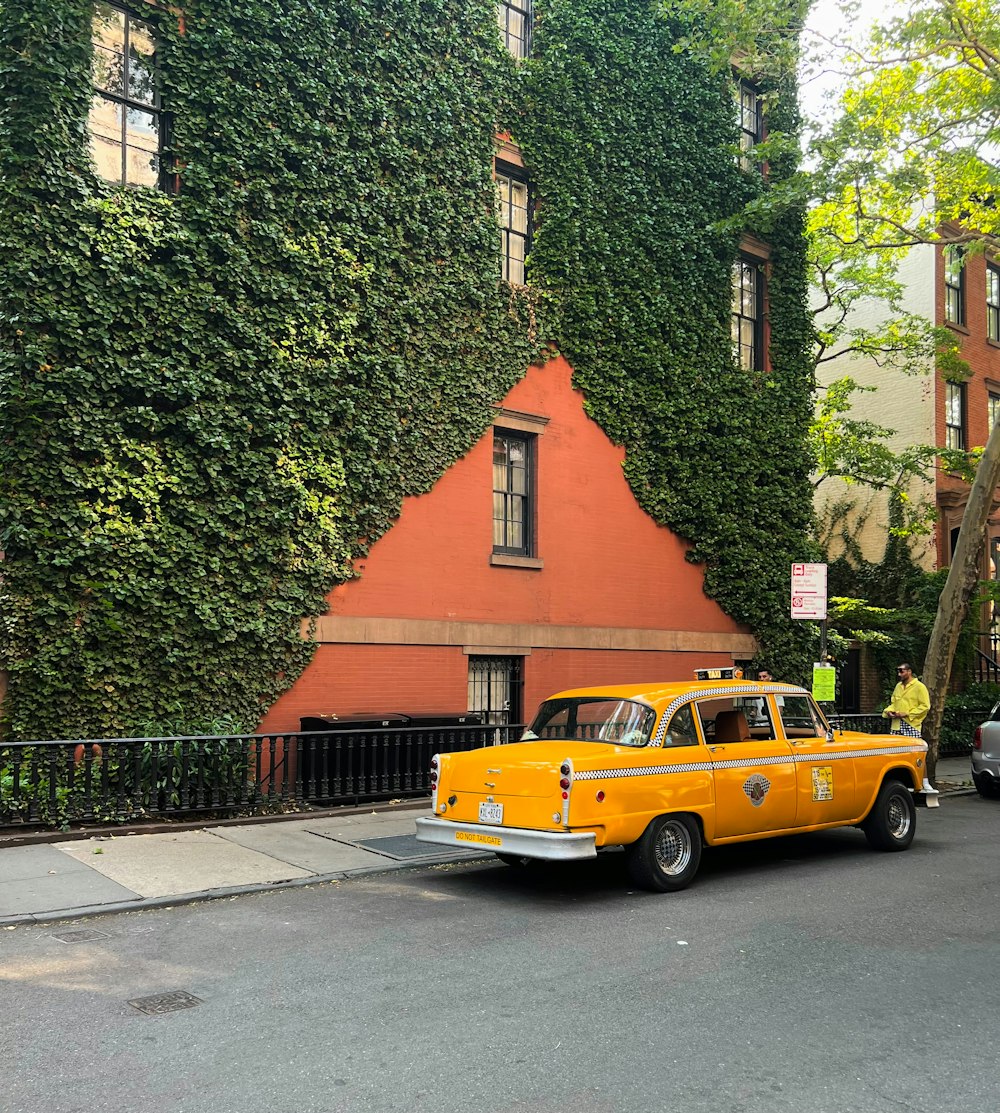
(909, 705)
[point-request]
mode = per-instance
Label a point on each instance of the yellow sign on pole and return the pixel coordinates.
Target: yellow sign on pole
(824, 683)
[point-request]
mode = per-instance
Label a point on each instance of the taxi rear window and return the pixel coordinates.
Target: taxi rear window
(593, 719)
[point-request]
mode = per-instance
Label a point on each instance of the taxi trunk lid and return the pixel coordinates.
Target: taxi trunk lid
(516, 785)
(526, 769)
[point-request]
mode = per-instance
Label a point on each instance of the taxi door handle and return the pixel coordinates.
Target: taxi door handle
(715, 749)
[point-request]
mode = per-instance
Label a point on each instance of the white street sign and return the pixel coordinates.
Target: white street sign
(809, 591)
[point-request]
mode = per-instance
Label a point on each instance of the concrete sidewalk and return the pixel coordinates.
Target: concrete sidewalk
(113, 873)
(62, 880)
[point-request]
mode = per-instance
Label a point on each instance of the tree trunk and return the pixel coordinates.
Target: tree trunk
(953, 605)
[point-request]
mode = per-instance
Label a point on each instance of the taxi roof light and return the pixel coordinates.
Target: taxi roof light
(728, 673)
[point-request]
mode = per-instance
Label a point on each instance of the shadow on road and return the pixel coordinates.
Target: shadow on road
(605, 879)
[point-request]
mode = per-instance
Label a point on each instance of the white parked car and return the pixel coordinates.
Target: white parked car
(986, 756)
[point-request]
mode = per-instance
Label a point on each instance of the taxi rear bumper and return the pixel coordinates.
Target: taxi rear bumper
(928, 796)
(550, 846)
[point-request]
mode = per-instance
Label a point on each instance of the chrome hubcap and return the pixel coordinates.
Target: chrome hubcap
(673, 848)
(898, 817)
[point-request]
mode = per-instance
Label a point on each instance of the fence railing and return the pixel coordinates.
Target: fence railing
(957, 727)
(340, 767)
(117, 779)
(113, 780)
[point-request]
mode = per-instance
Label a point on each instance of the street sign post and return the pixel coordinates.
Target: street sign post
(809, 591)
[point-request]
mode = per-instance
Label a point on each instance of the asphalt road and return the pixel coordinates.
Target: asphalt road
(799, 975)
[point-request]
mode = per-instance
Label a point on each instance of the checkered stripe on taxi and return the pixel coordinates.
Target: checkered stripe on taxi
(736, 763)
(708, 693)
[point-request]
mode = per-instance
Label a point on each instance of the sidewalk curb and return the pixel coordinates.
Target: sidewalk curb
(140, 904)
(123, 830)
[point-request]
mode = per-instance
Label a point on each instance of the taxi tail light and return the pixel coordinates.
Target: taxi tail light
(977, 739)
(435, 769)
(565, 784)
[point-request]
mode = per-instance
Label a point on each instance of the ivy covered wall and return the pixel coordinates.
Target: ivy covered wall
(632, 150)
(212, 401)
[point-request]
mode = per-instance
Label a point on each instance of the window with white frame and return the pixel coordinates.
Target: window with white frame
(954, 286)
(954, 415)
(515, 228)
(125, 122)
(994, 404)
(514, 19)
(993, 301)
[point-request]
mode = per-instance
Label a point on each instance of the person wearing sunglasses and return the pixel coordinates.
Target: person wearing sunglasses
(909, 704)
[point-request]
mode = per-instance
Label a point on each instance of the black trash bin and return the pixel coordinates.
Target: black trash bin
(378, 756)
(339, 756)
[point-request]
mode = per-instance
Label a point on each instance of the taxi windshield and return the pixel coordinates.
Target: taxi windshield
(593, 719)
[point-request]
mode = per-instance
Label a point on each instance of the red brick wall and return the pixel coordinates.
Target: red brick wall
(983, 357)
(607, 566)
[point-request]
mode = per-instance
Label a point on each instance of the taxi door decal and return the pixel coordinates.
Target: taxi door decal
(822, 779)
(756, 789)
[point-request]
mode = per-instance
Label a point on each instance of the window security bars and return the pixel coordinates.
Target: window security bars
(495, 685)
(125, 120)
(514, 20)
(751, 120)
(993, 305)
(513, 487)
(954, 286)
(954, 415)
(514, 223)
(748, 318)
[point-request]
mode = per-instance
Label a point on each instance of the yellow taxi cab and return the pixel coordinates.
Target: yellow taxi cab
(666, 769)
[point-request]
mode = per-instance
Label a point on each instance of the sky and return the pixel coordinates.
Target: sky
(831, 27)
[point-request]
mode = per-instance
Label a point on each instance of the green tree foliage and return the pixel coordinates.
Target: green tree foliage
(633, 145)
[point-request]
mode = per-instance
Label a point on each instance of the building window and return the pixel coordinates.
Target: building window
(512, 186)
(994, 404)
(993, 302)
(751, 118)
(748, 315)
(954, 286)
(513, 486)
(125, 121)
(954, 415)
(495, 688)
(514, 18)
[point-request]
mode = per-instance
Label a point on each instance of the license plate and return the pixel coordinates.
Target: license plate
(491, 813)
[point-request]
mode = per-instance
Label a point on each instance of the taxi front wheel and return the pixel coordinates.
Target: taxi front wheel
(892, 822)
(667, 856)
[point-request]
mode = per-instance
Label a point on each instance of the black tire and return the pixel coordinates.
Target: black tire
(667, 856)
(892, 822)
(986, 786)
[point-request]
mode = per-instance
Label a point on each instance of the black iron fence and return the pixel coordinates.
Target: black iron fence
(112, 780)
(957, 727)
(342, 767)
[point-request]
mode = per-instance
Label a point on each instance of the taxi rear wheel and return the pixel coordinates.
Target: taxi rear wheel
(892, 822)
(667, 856)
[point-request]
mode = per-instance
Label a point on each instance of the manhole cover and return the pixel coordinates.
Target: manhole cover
(82, 935)
(165, 1002)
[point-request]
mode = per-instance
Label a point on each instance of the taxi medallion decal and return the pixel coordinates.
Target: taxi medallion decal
(756, 789)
